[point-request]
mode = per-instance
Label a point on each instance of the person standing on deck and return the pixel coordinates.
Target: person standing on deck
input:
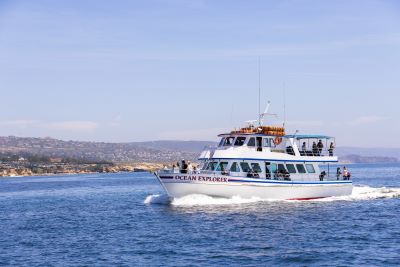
(338, 173)
(320, 147)
(331, 147)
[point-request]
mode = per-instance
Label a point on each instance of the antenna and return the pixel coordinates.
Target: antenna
(284, 104)
(259, 87)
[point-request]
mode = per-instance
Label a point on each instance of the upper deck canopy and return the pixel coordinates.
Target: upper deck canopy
(308, 136)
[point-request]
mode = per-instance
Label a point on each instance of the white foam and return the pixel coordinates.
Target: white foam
(367, 193)
(203, 200)
(359, 193)
(157, 199)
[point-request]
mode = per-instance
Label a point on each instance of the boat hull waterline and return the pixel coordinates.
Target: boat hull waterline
(179, 185)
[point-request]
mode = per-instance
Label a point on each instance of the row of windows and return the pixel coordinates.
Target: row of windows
(252, 141)
(255, 167)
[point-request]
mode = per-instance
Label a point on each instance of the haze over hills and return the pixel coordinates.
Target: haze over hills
(155, 151)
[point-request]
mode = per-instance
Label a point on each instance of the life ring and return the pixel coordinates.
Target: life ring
(277, 140)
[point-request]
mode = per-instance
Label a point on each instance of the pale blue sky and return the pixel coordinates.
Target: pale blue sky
(174, 69)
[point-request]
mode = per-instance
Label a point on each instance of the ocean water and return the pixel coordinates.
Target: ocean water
(126, 220)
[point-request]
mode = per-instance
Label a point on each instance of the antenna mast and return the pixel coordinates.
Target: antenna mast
(259, 89)
(284, 104)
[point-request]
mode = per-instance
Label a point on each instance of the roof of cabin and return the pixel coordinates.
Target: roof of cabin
(308, 136)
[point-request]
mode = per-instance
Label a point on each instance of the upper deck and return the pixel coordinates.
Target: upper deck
(271, 143)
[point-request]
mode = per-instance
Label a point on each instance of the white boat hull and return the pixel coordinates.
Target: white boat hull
(178, 185)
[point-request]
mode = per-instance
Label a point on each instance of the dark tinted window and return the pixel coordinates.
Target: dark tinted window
(245, 166)
(235, 167)
(291, 168)
(300, 168)
(256, 167)
(222, 166)
(240, 141)
(228, 141)
(252, 142)
(281, 167)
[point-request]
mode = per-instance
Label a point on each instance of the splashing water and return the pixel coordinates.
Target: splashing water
(367, 193)
(359, 193)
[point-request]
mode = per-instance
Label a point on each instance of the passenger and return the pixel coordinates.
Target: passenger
(322, 175)
(314, 149)
(194, 169)
(255, 174)
(346, 174)
(338, 173)
(190, 167)
(267, 173)
(184, 167)
(320, 147)
(286, 175)
(175, 168)
(304, 147)
(331, 147)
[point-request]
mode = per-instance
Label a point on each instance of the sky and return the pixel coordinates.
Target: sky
(122, 71)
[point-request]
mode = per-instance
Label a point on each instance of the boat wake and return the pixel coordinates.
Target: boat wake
(359, 193)
(367, 193)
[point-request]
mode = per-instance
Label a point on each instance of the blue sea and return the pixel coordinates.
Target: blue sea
(126, 220)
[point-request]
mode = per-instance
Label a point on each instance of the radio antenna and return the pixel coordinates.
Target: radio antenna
(259, 88)
(284, 104)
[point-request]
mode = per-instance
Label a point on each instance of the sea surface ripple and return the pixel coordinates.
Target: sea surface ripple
(126, 220)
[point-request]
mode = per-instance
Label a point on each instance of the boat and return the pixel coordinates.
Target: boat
(263, 162)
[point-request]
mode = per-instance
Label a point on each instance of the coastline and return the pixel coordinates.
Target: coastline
(72, 169)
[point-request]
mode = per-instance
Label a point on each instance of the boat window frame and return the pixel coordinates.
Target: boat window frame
(218, 168)
(281, 165)
(251, 139)
(221, 143)
(212, 163)
(259, 167)
(243, 169)
(302, 165)
(312, 168)
(237, 167)
(292, 166)
(232, 138)
(266, 142)
(240, 137)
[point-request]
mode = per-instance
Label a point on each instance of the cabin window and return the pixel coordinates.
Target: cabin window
(229, 141)
(310, 168)
(235, 167)
(267, 170)
(281, 168)
(256, 167)
(211, 166)
(205, 166)
(274, 168)
(266, 142)
(252, 142)
(245, 166)
(300, 168)
(222, 166)
(291, 168)
(240, 141)
(271, 142)
(221, 143)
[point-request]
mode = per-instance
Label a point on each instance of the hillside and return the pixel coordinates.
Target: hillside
(155, 151)
(161, 151)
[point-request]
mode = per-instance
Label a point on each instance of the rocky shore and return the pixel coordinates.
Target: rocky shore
(8, 170)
